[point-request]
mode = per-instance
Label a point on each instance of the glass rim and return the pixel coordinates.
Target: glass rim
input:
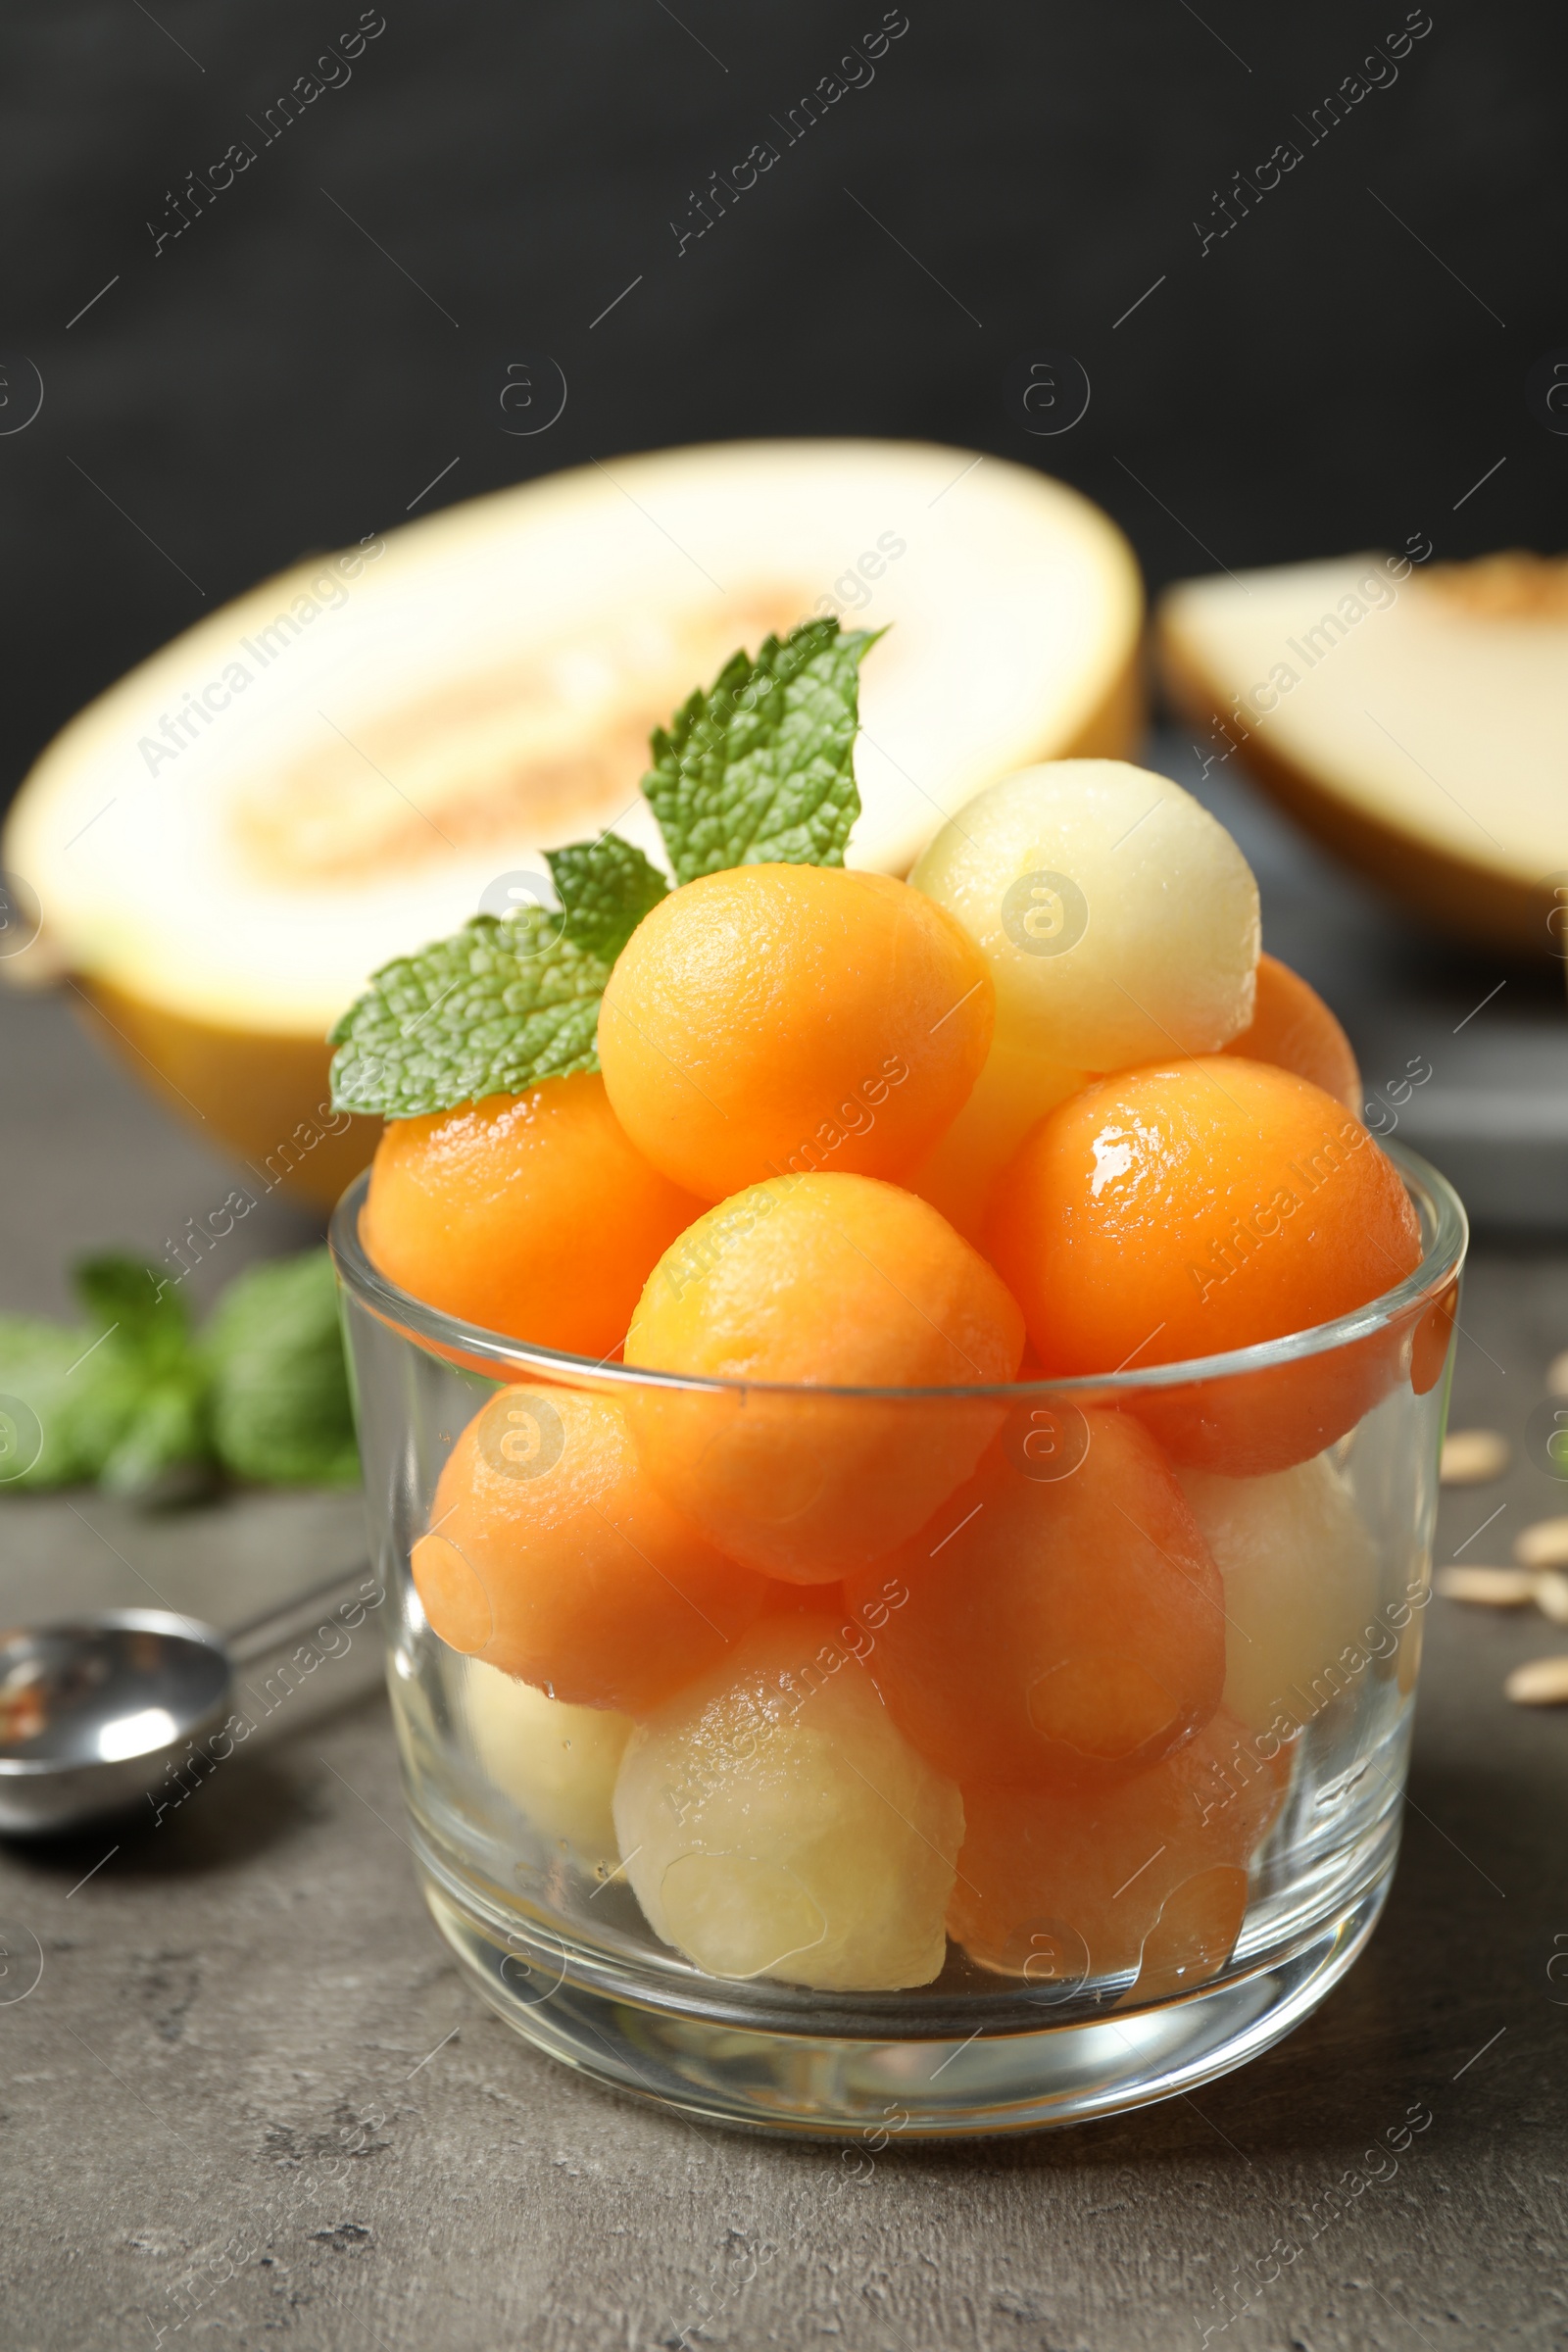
(1446, 1240)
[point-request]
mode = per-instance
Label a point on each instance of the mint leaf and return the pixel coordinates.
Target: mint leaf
(142, 1309)
(80, 1414)
(162, 1452)
(508, 1000)
(760, 769)
(281, 1406)
(122, 1401)
(605, 887)
(147, 1410)
(144, 1409)
(492, 1012)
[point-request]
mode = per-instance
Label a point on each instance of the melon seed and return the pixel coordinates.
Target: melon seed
(1539, 1682)
(1552, 1596)
(1497, 1588)
(1543, 1546)
(1473, 1456)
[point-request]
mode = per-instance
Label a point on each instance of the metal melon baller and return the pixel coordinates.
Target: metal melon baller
(96, 1709)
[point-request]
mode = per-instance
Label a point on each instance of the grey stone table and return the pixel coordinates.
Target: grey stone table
(248, 2102)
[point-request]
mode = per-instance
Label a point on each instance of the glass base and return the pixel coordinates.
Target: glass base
(838, 2086)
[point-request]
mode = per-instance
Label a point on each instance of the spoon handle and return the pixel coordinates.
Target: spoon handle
(278, 1625)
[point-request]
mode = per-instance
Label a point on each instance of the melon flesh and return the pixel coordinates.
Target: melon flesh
(483, 687)
(1416, 720)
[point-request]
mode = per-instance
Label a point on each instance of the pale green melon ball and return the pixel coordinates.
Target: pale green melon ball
(775, 1822)
(556, 1764)
(1119, 918)
(1301, 1586)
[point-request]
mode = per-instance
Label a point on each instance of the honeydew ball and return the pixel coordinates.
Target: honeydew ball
(1299, 1571)
(775, 1823)
(1014, 1089)
(1119, 919)
(556, 1764)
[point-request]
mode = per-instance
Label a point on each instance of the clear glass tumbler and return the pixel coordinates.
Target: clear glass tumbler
(983, 1759)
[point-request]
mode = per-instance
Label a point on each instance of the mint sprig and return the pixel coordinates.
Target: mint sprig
(760, 769)
(506, 1003)
(756, 769)
(605, 887)
(279, 1407)
(139, 1403)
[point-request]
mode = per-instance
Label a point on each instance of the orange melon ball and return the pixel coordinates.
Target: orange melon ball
(792, 1018)
(1432, 1339)
(1145, 1879)
(1065, 1618)
(1175, 1212)
(818, 1282)
(1182, 1211)
(1293, 1028)
(530, 1214)
(1013, 1090)
(552, 1556)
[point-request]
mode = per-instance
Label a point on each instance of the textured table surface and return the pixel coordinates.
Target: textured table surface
(247, 2101)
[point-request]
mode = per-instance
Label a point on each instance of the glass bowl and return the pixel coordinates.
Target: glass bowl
(846, 1762)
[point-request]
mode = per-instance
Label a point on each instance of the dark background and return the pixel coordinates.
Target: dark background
(270, 383)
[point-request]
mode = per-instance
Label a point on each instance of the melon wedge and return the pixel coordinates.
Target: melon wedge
(375, 739)
(1416, 720)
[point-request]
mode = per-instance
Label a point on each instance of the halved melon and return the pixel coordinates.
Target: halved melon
(375, 739)
(1416, 720)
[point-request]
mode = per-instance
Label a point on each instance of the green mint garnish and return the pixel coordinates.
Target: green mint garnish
(146, 1408)
(506, 1003)
(760, 769)
(757, 770)
(139, 1402)
(605, 887)
(281, 1413)
(146, 1313)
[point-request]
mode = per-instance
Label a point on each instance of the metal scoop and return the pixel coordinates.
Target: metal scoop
(95, 1710)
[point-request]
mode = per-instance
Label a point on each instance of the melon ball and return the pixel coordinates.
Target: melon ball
(1301, 1583)
(817, 1282)
(1144, 1878)
(480, 1210)
(1181, 1212)
(778, 1017)
(1014, 1088)
(556, 1764)
(552, 1556)
(1063, 1620)
(775, 1823)
(1293, 1028)
(1118, 918)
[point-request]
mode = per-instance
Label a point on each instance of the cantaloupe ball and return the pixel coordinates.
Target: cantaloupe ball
(1195, 1207)
(530, 1214)
(552, 1556)
(774, 1824)
(1119, 919)
(556, 1764)
(1300, 1581)
(829, 1282)
(1014, 1088)
(1144, 1878)
(1432, 1339)
(1291, 1027)
(1059, 1629)
(780, 1018)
